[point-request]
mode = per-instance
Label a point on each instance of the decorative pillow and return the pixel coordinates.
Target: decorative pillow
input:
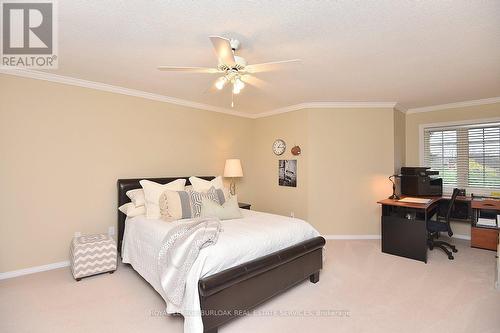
(201, 185)
(197, 199)
(137, 197)
(228, 211)
(153, 191)
(131, 210)
(175, 205)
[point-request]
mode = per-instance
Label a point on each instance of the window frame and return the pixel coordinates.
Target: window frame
(423, 127)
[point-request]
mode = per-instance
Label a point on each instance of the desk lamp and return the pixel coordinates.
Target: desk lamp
(394, 196)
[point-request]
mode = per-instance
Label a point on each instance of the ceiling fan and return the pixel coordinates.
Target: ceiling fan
(234, 70)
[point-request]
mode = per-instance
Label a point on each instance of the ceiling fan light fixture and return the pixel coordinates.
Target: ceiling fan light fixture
(236, 89)
(221, 82)
(239, 83)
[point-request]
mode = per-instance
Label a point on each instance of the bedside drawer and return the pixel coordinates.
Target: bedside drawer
(484, 238)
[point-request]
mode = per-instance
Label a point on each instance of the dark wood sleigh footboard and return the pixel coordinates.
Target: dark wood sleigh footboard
(234, 291)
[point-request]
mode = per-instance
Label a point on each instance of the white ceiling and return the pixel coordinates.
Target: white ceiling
(417, 53)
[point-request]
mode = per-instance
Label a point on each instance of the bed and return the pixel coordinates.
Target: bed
(227, 279)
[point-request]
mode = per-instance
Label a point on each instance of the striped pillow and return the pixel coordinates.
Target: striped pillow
(176, 205)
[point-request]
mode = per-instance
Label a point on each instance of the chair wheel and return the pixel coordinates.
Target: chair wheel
(454, 250)
(450, 257)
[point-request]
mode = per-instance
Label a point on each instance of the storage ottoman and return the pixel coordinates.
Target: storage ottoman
(92, 254)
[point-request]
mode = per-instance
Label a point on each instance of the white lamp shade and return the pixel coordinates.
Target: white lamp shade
(233, 168)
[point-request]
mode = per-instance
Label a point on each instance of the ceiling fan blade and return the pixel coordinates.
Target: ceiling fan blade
(269, 66)
(223, 50)
(254, 81)
(188, 69)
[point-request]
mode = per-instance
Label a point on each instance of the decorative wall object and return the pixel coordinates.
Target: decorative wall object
(287, 173)
(296, 150)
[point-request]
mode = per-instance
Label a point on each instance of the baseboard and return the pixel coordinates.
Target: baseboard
(352, 236)
(35, 269)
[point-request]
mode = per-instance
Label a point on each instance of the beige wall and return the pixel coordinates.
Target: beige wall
(346, 157)
(62, 149)
(352, 154)
(291, 127)
(414, 120)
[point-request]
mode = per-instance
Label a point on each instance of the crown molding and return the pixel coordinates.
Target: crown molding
(32, 74)
(475, 102)
(400, 108)
(27, 73)
(325, 105)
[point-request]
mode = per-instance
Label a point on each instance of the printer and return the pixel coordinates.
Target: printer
(420, 181)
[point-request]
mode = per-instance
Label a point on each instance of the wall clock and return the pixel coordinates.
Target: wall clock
(279, 147)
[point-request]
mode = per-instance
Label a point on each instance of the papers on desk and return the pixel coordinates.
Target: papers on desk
(484, 222)
(415, 200)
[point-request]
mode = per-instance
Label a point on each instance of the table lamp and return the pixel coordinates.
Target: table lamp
(233, 170)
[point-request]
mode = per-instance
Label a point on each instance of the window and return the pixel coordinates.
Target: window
(466, 156)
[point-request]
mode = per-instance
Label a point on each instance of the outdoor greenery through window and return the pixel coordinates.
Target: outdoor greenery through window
(466, 156)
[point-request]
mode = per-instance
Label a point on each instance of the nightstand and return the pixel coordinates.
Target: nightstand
(244, 205)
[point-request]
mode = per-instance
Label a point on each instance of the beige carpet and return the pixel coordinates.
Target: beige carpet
(363, 290)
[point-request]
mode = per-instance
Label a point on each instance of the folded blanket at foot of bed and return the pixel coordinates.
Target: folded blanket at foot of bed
(179, 250)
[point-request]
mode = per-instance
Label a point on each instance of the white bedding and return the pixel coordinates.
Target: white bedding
(241, 240)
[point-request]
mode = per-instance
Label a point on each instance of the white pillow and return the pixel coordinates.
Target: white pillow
(201, 185)
(153, 191)
(228, 211)
(131, 210)
(137, 197)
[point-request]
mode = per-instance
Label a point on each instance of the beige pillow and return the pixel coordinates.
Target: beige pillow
(152, 193)
(201, 185)
(137, 197)
(131, 210)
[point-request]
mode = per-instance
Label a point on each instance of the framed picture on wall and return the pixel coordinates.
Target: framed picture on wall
(287, 173)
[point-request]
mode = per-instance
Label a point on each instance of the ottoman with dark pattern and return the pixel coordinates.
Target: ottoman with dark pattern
(92, 254)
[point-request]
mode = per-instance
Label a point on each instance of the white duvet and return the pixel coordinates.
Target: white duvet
(241, 240)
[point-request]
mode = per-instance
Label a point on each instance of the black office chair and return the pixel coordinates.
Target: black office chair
(442, 224)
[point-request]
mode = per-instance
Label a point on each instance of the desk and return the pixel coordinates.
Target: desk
(404, 230)
(404, 227)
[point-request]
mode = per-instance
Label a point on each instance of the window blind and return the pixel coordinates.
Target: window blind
(466, 156)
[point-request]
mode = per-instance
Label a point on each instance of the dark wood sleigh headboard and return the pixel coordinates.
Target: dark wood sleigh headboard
(125, 185)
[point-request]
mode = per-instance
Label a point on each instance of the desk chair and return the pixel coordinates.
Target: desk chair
(442, 224)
